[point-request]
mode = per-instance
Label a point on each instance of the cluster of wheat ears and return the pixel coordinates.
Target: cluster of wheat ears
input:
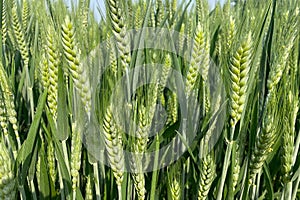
(60, 94)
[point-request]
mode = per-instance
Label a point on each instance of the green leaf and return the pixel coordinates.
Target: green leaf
(44, 177)
(27, 147)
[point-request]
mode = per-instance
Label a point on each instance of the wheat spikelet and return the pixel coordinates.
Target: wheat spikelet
(113, 144)
(119, 31)
(164, 73)
(199, 59)
(3, 118)
(288, 136)
(172, 105)
(263, 146)
(174, 179)
(77, 71)
(164, 77)
(231, 32)
(279, 67)
(139, 183)
(7, 179)
(142, 130)
(76, 146)
(175, 189)
(207, 175)
(159, 12)
(9, 103)
(152, 18)
(138, 18)
(112, 55)
(4, 22)
(25, 14)
(290, 24)
(51, 161)
(43, 69)
(83, 13)
(181, 39)
(239, 74)
(89, 189)
(236, 167)
(20, 37)
(53, 61)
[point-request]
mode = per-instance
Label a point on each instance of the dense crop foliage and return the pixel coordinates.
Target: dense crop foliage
(87, 107)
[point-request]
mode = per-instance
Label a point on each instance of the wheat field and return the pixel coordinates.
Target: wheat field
(158, 99)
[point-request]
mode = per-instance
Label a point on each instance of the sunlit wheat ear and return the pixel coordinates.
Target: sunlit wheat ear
(207, 175)
(51, 161)
(20, 37)
(53, 61)
(25, 15)
(77, 71)
(119, 31)
(263, 145)
(9, 103)
(76, 146)
(239, 74)
(4, 22)
(231, 32)
(7, 178)
(114, 146)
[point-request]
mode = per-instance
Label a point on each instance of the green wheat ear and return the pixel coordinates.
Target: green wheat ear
(9, 103)
(20, 37)
(77, 71)
(114, 146)
(207, 175)
(4, 22)
(52, 64)
(119, 31)
(7, 178)
(239, 75)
